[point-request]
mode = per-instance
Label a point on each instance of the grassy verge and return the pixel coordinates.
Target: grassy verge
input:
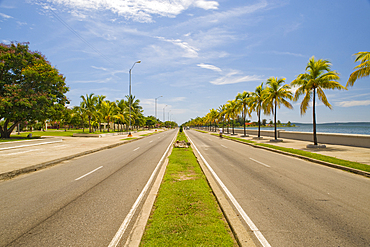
(186, 212)
(333, 160)
(128, 138)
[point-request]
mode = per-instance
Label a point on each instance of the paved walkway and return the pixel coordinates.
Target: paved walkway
(24, 156)
(356, 154)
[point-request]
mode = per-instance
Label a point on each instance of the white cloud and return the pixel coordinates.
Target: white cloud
(190, 51)
(232, 78)
(288, 53)
(5, 16)
(141, 11)
(105, 69)
(209, 66)
(353, 103)
(177, 99)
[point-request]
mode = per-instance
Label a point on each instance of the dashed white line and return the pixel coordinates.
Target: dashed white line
(260, 162)
(150, 141)
(88, 173)
(223, 146)
(136, 149)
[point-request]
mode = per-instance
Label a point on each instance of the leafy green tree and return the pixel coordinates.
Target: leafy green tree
(276, 94)
(363, 69)
(318, 77)
(89, 105)
(30, 88)
(108, 110)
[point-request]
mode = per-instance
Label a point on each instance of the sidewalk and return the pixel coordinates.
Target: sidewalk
(26, 156)
(355, 154)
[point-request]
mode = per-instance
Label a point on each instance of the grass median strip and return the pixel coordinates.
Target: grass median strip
(186, 212)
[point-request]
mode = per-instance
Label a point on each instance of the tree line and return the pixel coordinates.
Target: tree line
(33, 91)
(270, 96)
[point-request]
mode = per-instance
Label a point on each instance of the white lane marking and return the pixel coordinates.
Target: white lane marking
(223, 146)
(150, 141)
(22, 152)
(260, 162)
(29, 145)
(89, 173)
(246, 218)
(136, 149)
(116, 239)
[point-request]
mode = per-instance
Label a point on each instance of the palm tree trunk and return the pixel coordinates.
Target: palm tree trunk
(90, 124)
(245, 133)
(314, 118)
(275, 119)
(259, 122)
(233, 127)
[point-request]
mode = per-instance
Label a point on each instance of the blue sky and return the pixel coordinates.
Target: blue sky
(197, 54)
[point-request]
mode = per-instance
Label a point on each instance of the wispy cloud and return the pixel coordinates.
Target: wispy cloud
(287, 53)
(235, 77)
(190, 51)
(101, 68)
(209, 66)
(5, 16)
(141, 11)
(353, 103)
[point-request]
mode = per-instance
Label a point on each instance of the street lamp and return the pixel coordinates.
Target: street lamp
(164, 114)
(129, 126)
(156, 107)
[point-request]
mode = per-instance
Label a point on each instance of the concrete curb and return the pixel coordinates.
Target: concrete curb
(241, 234)
(344, 168)
(12, 174)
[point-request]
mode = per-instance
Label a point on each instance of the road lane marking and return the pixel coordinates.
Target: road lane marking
(260, 162)
(246, 218)
(136, 149)
(150, 141)
(117, 238)
(223, 146)
(29, 145)
(88, 173)
(22, 152)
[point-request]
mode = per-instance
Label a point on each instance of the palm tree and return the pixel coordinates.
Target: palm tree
(276, 93)
(221, 111)
(318, 76)
(212, 116)
(231, 111)
(107, 110)
(99, 116)
(89, 106)
(243, 100)
(363, 69)
(257, 99)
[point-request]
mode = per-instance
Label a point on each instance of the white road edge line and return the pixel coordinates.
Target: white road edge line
(250, 223)
(259, 162)
(117, 238)
(136, 149)
(89, 173)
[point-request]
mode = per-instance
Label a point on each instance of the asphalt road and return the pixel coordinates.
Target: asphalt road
(292, 202)
(81, 202)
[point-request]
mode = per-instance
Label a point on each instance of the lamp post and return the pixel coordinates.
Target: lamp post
(164, 114)
(129, 126)
(156, 107)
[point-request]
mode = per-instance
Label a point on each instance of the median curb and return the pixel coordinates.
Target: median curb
(242, 236)
(12, 174)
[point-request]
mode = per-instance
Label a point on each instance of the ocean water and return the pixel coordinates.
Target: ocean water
(362, 128)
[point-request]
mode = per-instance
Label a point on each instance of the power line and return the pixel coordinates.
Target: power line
(80, 37)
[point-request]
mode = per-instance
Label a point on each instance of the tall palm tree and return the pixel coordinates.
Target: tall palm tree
(276, 93)
(100, 100)
(243, 100)
(363, 69)
(89, 105)
(221, 115)
(231, 111)
(108, 110)
(257, 99)
(213, 115)
(318, 77)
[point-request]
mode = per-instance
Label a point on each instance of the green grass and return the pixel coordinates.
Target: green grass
(333, 160)
(201, 131)
(186, 212)
(129, 138)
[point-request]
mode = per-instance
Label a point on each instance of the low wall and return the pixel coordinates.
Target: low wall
(322, 138)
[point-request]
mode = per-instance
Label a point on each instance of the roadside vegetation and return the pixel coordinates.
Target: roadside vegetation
(333, 160)
(186, 212)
